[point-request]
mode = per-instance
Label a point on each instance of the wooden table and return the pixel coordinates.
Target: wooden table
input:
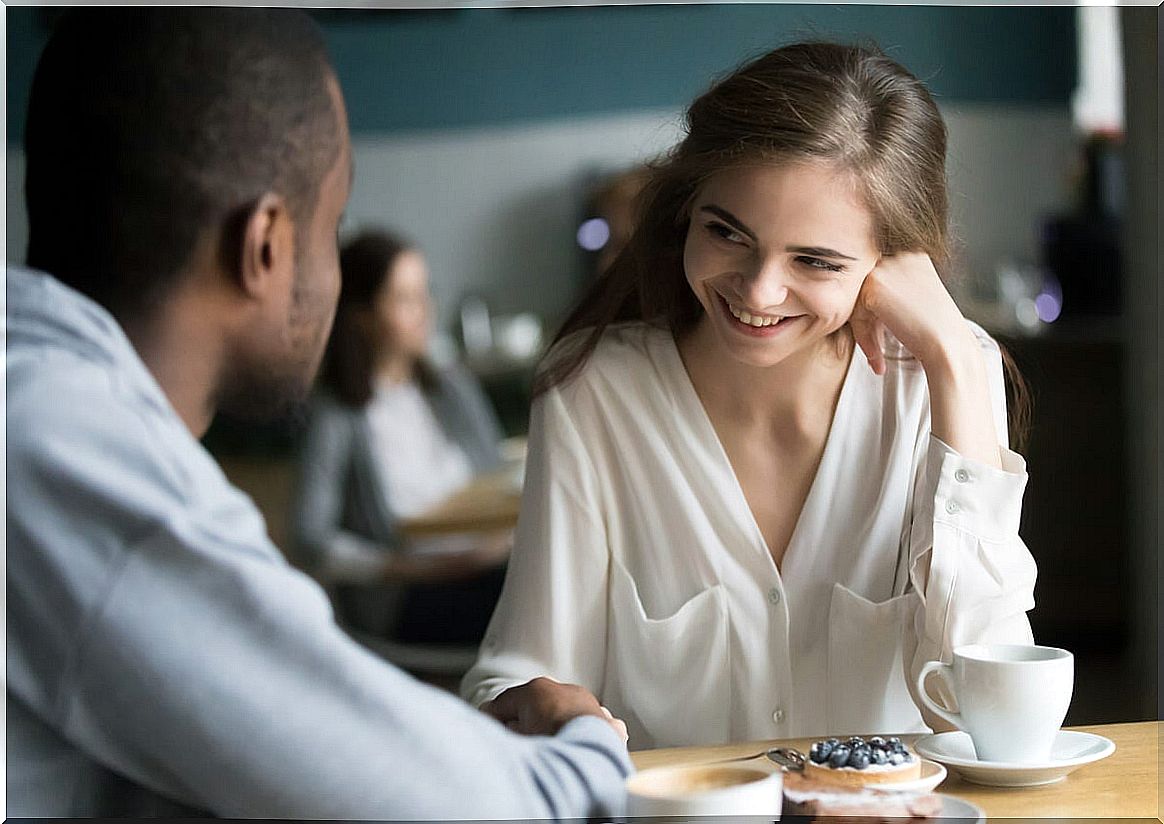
(488, 503)
(1124, 785)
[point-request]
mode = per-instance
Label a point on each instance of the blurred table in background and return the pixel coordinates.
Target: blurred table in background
(489, 503)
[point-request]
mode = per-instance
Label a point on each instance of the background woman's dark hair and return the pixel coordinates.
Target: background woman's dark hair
(849, 106)
(366, 264)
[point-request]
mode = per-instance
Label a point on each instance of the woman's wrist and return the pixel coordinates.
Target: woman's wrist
(952, 356)
(961, 411)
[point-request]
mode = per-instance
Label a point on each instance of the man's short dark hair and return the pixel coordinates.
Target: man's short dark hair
(149, 126)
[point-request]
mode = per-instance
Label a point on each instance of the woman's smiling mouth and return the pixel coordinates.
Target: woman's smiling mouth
(754, 324)
(743, 316)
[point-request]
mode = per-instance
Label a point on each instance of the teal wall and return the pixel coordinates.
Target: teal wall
(452, 68)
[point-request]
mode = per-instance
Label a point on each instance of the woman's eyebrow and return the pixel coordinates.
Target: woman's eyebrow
(817, 251)
(728, 217)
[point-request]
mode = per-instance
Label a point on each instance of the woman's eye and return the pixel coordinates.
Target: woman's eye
(821, 265)
(724, 232)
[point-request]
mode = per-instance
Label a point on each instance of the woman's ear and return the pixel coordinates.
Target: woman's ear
(266, 247)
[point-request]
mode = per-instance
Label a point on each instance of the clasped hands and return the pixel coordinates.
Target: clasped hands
(543, 706)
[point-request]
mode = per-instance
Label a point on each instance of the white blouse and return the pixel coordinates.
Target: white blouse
(639, 572)
(419, 463)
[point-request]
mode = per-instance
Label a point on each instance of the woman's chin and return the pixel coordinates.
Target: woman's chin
(761, 353)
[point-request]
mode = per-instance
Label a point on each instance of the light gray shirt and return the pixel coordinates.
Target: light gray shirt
(164, 659)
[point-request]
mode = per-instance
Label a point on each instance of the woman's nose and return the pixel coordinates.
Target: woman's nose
(767, 285)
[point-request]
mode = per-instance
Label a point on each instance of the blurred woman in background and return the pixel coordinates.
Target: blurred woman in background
(391, 436)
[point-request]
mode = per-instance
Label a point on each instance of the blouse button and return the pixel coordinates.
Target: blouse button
(962, 476)
(952, 507)
(778, 715)
(774, 596)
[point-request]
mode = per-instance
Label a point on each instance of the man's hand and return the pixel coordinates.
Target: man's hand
(542, 706)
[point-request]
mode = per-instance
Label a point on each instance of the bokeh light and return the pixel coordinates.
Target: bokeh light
(1048, 307)
(593, 234)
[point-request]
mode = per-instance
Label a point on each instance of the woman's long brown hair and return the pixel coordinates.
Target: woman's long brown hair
(849, 106)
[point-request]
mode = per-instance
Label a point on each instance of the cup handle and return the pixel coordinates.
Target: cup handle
(943, 671)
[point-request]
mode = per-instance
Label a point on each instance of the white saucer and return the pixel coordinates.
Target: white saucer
(963, 811)
(1070, 751)
(932, 774)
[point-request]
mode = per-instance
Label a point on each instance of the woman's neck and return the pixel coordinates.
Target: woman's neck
(798, 394)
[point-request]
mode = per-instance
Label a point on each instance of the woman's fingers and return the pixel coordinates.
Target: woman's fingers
(620, 728)
(618, 724)
(867, 333)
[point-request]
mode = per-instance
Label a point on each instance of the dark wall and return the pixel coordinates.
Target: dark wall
(462, 67)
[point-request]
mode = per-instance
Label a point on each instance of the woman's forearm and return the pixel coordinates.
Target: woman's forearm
(960, 405)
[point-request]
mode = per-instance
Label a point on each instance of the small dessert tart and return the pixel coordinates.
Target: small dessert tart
(859, 762)
(820, 801)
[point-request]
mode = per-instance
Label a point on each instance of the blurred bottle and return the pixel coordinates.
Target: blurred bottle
(476, 326)
(1083, 249)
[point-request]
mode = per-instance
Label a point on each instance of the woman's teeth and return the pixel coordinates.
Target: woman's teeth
(754, 320)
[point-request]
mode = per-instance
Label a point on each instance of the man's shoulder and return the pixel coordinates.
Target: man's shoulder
(57, 391)
(95, 427)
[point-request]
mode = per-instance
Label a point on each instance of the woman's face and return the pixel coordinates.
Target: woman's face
(403, 306)
(777, 254)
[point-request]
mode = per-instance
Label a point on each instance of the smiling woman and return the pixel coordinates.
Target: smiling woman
(734, 526)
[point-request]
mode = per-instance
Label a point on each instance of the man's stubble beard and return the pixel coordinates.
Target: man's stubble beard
(270, 392)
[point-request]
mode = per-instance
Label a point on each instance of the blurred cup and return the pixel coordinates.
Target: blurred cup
(1011, 698)
(732, 791)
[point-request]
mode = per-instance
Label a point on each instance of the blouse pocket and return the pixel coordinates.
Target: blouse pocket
(668, 677)
(867, 691)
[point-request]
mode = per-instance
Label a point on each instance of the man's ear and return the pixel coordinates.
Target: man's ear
(267, 249)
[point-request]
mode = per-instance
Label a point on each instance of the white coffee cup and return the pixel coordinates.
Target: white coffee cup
(1011, 698)
(730, 790)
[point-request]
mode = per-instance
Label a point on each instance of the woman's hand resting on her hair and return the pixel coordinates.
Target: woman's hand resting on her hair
(905, 295)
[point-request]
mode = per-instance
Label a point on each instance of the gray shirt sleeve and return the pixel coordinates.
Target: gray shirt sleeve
(320, 541)
(154, 626)
(469, 417)
(238, 694)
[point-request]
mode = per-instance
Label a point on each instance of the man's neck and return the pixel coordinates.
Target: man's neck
(184, 354)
